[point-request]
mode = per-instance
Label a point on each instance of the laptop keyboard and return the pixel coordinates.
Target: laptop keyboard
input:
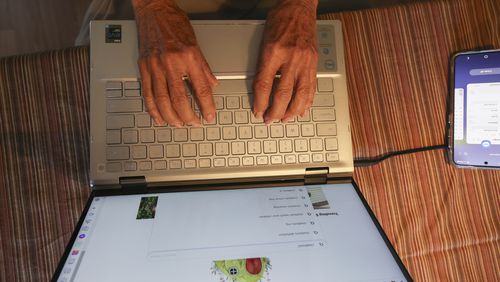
(236, 138)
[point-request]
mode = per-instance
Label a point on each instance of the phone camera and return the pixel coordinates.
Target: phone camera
(486, 56)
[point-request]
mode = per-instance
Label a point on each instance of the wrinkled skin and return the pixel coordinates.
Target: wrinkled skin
(289, 48)
(169, 53)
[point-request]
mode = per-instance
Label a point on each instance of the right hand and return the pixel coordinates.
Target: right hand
(168, 54)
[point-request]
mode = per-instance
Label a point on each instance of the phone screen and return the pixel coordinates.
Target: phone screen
(476, 109)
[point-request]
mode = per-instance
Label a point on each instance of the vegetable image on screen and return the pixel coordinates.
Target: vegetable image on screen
(242, 270)
(147, 208)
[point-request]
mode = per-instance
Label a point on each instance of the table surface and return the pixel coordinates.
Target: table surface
(443, 221)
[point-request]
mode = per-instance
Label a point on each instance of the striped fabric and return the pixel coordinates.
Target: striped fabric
(443, 221)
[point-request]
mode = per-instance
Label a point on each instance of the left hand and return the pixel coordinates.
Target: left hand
(289, 47)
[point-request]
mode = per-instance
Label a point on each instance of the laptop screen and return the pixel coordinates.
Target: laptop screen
(294, 233)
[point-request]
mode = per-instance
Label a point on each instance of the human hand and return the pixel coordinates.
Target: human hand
(168, 54)
(289, 47)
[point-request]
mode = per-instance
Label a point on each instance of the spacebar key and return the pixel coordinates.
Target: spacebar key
(124, 106)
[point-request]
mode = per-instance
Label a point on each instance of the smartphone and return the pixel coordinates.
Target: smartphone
(474, 116)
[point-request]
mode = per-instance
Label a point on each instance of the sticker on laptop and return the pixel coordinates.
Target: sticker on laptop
(147, 208)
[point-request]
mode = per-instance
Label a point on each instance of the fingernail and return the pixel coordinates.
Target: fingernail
(258, 114)
(286, 119)
(177, 125)
(210, 117)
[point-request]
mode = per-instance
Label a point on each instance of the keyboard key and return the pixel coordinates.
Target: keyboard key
(300, 145)
(143, 120)
(317, 158)
(173, 150)
(197, 134)
(132, 85)
(139, 152)
(117, 153)
(189, 150)
(124, 106)
(270, 147)
(119, 121)
(277, 131)
(292, 130)
(190, 163)
(262, 160)
(325, 84)
(204, 163)
(113, 93)
(132, 93)
(113, 85)
(145, 165)
(307, 130)
(156, 151)
(113, 137)
(305, 118)
(326, 129)
(219, 162)
(213, 133)
(285, 146)
(238, 148)
(332, 157)
(233, 161)
(229, 133)
(130, 166)
(175, 164)
(254, 147)
(180, 134)
(233, 102)
(304, 158)
(276, 159)
(255, 120)
(323, 101)
(246, 102)
(164, 135)
(331, 144)
(147, 136)
(130, 136)
(160, 165)
(113, 167)
(206, 149)
(225, 118)
(316, 144)
(245, 132)
(247, 161)
(290, 159)
(219, 102)
(261, 131)
(241, 117)
(221, 149)
(323, 114)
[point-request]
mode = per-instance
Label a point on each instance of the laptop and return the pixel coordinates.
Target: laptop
(232, 200)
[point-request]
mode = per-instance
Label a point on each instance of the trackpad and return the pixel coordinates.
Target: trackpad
(230, 48)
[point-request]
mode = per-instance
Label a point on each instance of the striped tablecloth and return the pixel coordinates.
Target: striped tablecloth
(443, 221)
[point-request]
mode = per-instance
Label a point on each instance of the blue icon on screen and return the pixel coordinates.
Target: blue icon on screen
(486, 143)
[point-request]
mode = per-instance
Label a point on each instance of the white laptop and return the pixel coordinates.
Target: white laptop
(234, 200)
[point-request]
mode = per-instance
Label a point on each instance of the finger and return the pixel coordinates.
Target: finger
(300, 97)
(281, 97)
(203, 93)
(147, 93)
(208, 72)
(178, 95)
(263, 83)
(161, 96)
(312, 90)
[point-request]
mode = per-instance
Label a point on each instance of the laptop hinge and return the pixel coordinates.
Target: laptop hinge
(316, 175)
(133, 183)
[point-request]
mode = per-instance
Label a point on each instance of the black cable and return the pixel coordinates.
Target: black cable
(380, 158)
